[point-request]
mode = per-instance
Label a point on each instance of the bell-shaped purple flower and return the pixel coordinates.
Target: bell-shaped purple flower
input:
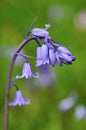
(27, 72)
(39, 32)
(42, 55)
(63, 55)
(52, 58)
(19, 99)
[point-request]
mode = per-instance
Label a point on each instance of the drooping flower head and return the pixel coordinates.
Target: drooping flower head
(27, 72)
(19, 99)
(51, 55)
(50, 52)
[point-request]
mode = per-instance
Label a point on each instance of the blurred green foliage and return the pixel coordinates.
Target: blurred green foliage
(42, 114)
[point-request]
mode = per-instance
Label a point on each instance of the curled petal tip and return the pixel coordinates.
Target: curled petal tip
(73, 58)
(47, 26)
(36, 75)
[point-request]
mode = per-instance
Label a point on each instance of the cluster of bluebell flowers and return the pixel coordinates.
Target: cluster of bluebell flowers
(49, 52)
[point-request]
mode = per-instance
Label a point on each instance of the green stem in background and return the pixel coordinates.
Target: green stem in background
(7, 92)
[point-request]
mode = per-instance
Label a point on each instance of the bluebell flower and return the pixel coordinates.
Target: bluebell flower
(63, 55)
(27, 72)
(50, 52)
(19, 99)
(42, 55)
(41, 33)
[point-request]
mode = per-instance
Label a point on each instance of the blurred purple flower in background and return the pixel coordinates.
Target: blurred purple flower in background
(47, 77)
(80, 20)
(19, 99)
(80, 112)
(68, 102)
(27, 72)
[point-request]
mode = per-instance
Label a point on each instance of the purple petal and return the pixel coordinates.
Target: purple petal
(39, 56)
(52, 58)
(35, 75)
(39, 32)
(39, 62)
(27, 70)
(12, 104)
(59, 60)
(45, 58)
(39, 53)
(65, 57)
(73, 58)
(47, 26)
(64, 50)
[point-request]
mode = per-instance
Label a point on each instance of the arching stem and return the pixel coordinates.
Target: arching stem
(7, 92)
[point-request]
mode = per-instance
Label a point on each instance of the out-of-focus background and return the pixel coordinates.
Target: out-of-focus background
(58, 103)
